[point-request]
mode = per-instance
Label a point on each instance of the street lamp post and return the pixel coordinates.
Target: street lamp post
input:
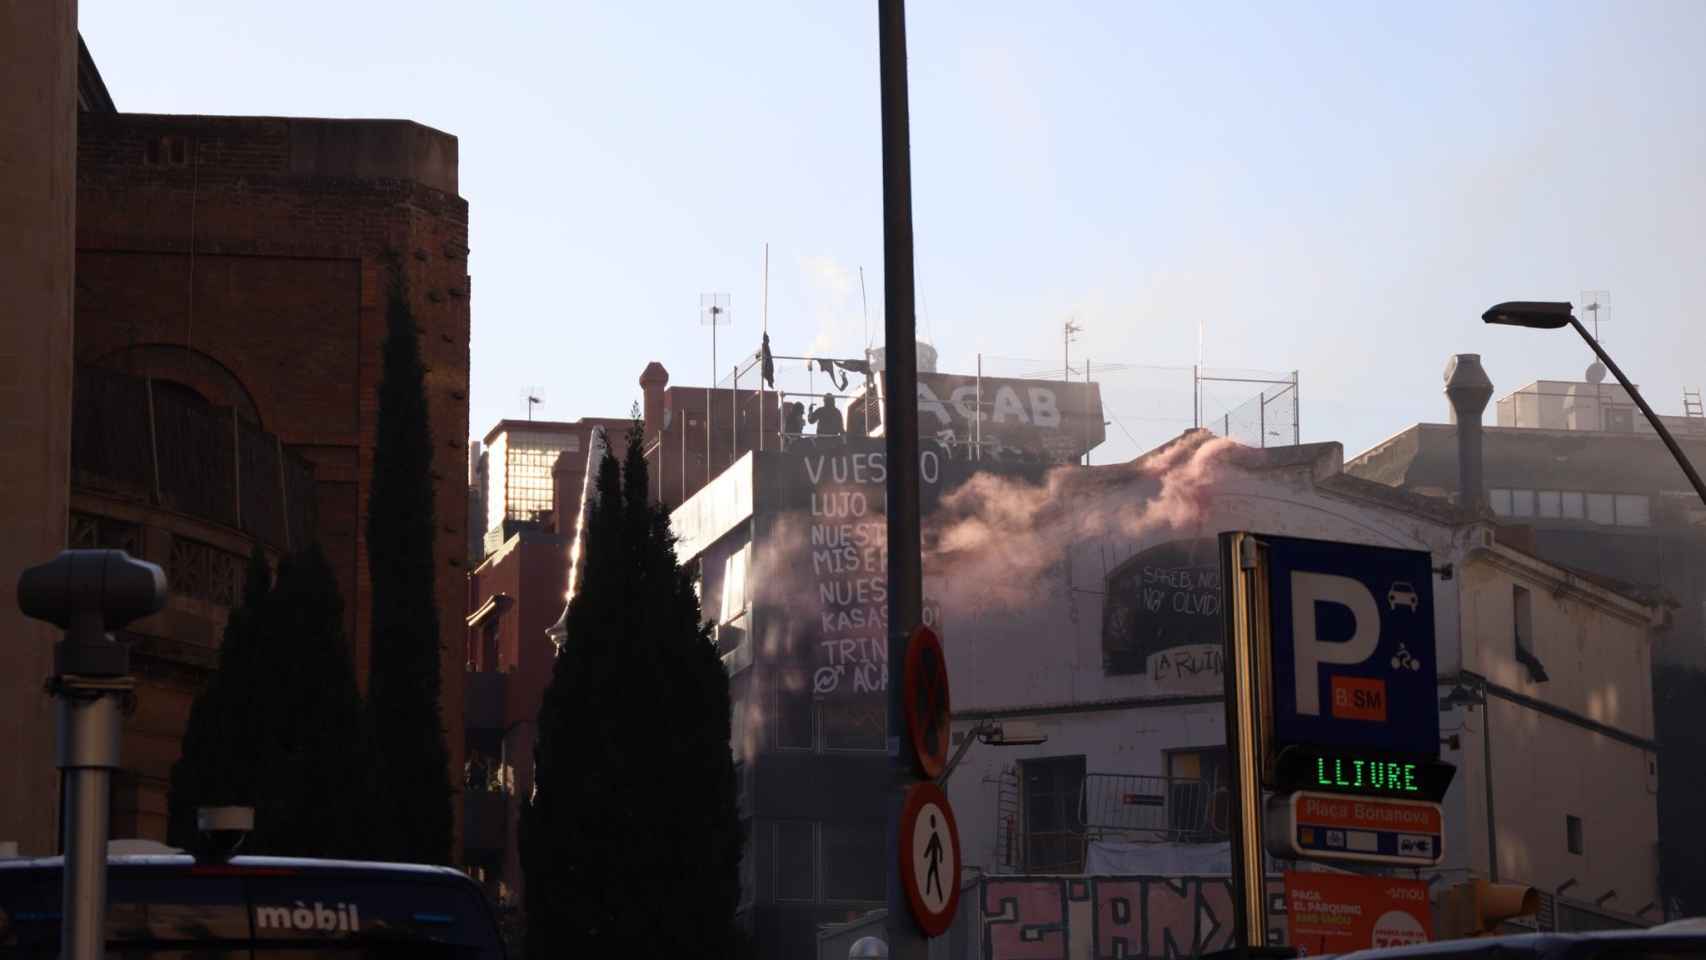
(1544, 315)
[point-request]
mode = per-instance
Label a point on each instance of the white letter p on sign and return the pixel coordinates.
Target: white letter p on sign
(1308, 651)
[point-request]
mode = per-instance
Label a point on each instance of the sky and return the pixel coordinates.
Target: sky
(1334, 188)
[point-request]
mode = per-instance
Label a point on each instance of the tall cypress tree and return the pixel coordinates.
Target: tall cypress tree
(1678, 695)
(411, 759)
(279, 726)
(635, 790)
(218, 763)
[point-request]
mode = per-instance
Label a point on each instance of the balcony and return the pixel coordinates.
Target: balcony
(1057, 832)
(483, 699)
(1143, 809)
(148, 442)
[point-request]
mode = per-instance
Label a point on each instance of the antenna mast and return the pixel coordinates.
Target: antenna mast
(532, 397)
(713, 313)
(1068, 333)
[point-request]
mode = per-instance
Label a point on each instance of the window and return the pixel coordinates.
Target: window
(796, 860)
(854, 867)
(1547, 505)
(1633, 510)
(1522, 631)
(1500, 500)
(1522, 503)
(794, 714)
(855, 724)
(1602, 508)
(1571, 501)
(1054, 814)
(1573, 833)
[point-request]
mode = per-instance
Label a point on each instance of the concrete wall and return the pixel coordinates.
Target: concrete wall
(38, 149)
(1571, 746)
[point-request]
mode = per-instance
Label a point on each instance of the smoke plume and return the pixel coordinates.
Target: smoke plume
(991, 540)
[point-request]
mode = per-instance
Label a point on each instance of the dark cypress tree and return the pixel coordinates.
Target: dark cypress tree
(1679, 721)
(635, 788)
(318, 799)
(411, 760)
(217, 765)
(279, 726)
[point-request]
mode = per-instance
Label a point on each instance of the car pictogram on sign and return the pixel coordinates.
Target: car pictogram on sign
(1402, 594)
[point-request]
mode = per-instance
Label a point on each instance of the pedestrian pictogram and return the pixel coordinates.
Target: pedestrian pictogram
(924, 697)
(930, 858)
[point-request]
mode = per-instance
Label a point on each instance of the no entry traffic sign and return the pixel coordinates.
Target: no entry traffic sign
(924, 698)
(930, 858)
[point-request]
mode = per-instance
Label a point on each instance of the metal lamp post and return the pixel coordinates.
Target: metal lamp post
(86, 593)
(1549, 315)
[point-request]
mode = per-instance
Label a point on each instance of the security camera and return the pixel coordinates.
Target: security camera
(87, 593)
(223, 830)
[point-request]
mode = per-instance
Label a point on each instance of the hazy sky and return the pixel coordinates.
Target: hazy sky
(1335, 188)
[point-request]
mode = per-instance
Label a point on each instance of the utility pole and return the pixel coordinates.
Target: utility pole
(900, 431)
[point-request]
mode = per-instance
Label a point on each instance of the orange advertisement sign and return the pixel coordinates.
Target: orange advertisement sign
(1359, 698)
(1356, 813)
(1330, 913)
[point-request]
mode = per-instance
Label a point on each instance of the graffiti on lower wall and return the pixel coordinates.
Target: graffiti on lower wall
(1110, 918)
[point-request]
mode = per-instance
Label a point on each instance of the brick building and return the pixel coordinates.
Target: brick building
(237, 268)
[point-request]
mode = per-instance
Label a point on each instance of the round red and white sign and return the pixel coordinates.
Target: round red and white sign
(930, 858)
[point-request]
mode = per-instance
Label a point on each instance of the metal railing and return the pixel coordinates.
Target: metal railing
(1121, 807)
(1153, 809)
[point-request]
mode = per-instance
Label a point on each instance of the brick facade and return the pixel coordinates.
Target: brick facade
(247, 258)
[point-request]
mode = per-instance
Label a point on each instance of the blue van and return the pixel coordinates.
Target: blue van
(258, 908)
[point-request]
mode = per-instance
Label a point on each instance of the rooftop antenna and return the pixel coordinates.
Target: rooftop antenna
(1068, 333)
(865, 307)
(532, 397)
(713, 313)
(1597, 303)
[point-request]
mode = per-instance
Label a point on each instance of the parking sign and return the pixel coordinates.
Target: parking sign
(1352, 660)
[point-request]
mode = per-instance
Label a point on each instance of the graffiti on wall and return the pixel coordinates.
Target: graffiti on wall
(1161, 618)
(1110, 918)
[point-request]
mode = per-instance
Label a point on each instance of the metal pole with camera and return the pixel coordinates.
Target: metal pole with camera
(87, 593)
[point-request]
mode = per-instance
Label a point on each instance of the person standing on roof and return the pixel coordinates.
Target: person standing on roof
(827, 418)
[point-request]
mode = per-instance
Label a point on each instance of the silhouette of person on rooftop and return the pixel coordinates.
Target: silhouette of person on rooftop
(827, 418)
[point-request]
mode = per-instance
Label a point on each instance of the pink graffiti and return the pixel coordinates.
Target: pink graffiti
(1131, 918)
(1024, 919)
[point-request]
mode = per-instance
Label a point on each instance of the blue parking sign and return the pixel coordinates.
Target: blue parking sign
(1352, 659)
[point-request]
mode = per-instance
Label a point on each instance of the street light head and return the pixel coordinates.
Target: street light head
(1539, 314)
(106, 583)
(1014, 733)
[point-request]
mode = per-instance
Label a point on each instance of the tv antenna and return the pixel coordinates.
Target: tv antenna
(532, 397)
(1069, 333)
(713, 313)
(1597, 303)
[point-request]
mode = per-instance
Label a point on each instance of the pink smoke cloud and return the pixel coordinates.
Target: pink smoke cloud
(993, 538)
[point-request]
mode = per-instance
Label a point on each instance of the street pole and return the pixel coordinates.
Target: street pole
(1652, 418)
(86, 593)
(900, 431)
(1239, 574)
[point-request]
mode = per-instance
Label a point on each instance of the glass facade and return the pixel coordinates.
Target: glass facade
(519, 464)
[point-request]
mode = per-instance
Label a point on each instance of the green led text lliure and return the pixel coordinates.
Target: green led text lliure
(1375, 776)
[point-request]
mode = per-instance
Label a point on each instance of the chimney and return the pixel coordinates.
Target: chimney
(1468, 389)
(653, 380)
